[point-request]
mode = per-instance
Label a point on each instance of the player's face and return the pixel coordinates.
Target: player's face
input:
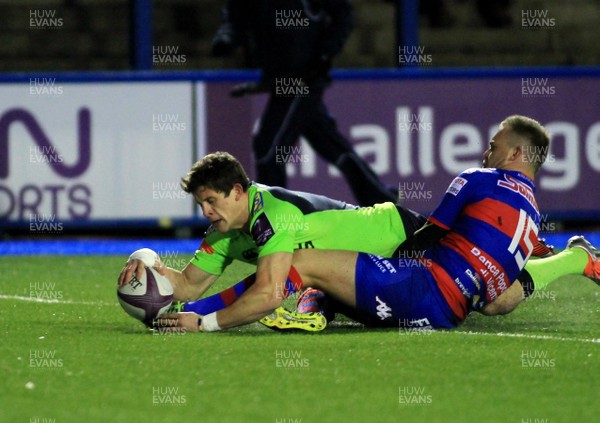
(223, 212)
(499, 151)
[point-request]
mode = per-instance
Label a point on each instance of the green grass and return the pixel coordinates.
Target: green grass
(105, 366)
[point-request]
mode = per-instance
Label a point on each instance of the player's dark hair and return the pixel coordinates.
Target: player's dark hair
(218, 171)
(536, 135)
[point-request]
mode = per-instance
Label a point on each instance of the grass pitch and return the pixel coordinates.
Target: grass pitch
(82, 359)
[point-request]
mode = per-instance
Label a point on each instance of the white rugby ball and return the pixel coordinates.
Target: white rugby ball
(146, 255)
(147, 298)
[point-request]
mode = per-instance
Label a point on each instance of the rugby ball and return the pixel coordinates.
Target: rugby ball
(146, 298)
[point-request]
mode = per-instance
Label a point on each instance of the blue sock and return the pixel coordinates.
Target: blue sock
(221, 300)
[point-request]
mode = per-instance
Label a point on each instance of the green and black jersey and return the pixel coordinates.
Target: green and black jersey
(283, 221)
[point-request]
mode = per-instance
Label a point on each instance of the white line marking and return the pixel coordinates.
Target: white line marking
(53, 301)
(529, 336)
(349, 323)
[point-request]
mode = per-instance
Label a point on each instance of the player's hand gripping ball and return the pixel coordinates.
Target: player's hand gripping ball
(148, 297)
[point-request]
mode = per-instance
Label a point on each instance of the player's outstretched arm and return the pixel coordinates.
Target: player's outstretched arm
(262, 297)
(506, 302)
(265, 295)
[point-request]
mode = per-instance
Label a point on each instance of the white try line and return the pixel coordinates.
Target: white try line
(53, 301)
(347, 324)
(528, 336)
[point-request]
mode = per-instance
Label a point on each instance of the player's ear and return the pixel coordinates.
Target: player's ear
(237, 190)
(516, 153)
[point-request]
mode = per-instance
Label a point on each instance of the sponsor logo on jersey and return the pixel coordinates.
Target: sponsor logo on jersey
(517, 186)
(474, 278)
(383, 311)
(262, 230)
(462, 288)
(258, 203)
(382, 264)
(457, 184)
(206, 248)
(250, 254)
(493, 275)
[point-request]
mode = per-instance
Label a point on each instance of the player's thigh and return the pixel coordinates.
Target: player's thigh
(400, 293)
(329, 270)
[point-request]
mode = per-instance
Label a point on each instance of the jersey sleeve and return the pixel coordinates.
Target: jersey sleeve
(273, 227)
(211, 255)
(461, 191)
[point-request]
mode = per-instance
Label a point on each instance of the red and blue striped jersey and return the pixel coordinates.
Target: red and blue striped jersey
(493, 221)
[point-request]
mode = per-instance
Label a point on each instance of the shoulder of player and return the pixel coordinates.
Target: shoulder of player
(480, 174)
(472, 180)
(213, 236)
(264, 201)
(271, 218)
(494, 174)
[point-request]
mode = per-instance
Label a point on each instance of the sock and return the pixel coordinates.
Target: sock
(219, 301)
(293, 283)
(567, 262)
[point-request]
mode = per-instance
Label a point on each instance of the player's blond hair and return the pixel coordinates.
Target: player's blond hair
(534, 134)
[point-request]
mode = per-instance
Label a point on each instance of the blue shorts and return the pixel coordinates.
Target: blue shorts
(400, 293)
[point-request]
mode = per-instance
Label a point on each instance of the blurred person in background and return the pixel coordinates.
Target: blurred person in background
(293, 42)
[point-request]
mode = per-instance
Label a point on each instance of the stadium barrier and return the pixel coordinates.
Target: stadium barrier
(86, 150)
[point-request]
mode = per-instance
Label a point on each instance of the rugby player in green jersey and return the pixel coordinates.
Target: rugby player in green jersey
(263, 226)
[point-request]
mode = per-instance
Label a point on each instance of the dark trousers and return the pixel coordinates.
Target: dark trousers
(285, 119)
